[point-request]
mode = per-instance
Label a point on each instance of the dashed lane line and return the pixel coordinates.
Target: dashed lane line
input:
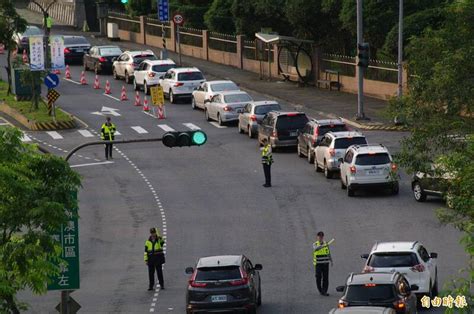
(166, 127)
(217, 125)
(191, 126)
(92, 164)
(55, 135)
(72, 81)
(85, 133)
(139, 129)
(110, 96)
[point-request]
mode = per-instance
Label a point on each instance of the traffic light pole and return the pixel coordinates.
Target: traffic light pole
(360, 93)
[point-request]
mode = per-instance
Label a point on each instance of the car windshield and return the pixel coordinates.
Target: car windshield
(220, 87)
(110, 51)
(162, 67)
(190, 76)
(76, 40)
(372, 159)
(264, 109)
(218, 273)
(31, 31)
(139, 59)
(343, 143)
(323, 129)
(237, 98)
(370, 293)
(396, 259)
(293, 121)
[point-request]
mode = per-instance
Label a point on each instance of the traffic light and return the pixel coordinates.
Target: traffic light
(124, 1)
(184, 138)
(363, 52)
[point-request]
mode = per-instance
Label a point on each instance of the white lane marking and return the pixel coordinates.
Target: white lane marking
(191, 126)
(214, 123)
(115, 98)
(166, 128)
(118, 133)
(25, 138)
(149, 114)
(139, 129)
(85, 133)
(92, 164)
(5, 123)
(69, 80)
(55, 135)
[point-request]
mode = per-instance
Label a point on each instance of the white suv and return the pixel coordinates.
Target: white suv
(127, 62)
(332, 147)
(149, 73)
(409, 258)
(181, 82)
(365, 166)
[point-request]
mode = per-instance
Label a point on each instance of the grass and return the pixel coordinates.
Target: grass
(26, 108)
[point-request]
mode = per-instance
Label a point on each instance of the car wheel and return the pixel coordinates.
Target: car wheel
(350, 191)
(327, 173)
(418, 192)
(193, 103)
(298, 150)
(146, 89)
(343, 186)
(172, 98)
(250, 132)
(309, 155)
(135, 85)
(219, 120)
(206, 113)
(316, 166)
(434, 289)
(127, 78)
(259, 298)
(395, 188)
(114, 73)
(96, 69)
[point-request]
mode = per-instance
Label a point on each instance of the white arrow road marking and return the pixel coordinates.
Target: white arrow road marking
(110, 96)
(69, 80)
(117, 133)
(108, 110)
(55, 135)
(214, 123)
(166, 128)
(25, 138)
(191, 126)
(92, 164)
(139, 129)
(97, 113)
(85, 133)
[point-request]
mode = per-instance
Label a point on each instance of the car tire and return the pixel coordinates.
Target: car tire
(249, 129)
(114, 74)
(172, 98)
(146, 89)
(434, 289)
(309, 155)
(350, 191)
(193, 103)
(206, 113)
(418, 192)
(343, 186)
(127, 78)
(219, 120)
(327, 172)
(395, 188)
(135, 85)
(298, 150)
(316, 166)
(259, 297)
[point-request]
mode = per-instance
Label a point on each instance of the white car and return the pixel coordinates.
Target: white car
(332, 147)
(125, 65)
(226, 106)
(149, 72)
(209, 89)
(365, 166)
(181, 82)
(409, 258)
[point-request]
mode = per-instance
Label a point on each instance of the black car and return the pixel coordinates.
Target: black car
(227, 283)
(426, 184)
(379, 289)
(281, 128)
(100, 58)
(74, 48)
(22, 39)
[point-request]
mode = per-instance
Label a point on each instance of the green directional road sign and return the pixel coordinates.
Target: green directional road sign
(68, 237)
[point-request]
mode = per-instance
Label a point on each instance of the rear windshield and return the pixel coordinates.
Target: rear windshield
(31, 31)
(237, 98)
(363, 293)
(190, 76)
(224, 87)
(264, 109)
(75, 40)
(397, 259)
(141, 58)
(343, 143)
(218, 273)
(323, 129)
(287, 122)
(111, 51)
(372, 159)
(162, 67)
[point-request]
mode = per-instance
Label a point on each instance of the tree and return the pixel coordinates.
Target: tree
(192, 10)
(35, 191)
(219, 17)
(138, 7)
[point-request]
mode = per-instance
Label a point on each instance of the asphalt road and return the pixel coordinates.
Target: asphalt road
(211, 202)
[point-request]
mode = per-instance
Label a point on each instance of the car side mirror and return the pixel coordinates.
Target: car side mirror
(341, 161)
(340, 288)
(414, 288)
(161, 77)
(433, 255)
(189, 270)
(365, 256)
(258, 267)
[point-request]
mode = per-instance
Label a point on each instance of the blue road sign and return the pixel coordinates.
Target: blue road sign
(163, 10)
(51, 80)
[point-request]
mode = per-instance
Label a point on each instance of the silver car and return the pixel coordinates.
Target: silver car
(253, 115)
(226, 106)
(208, 89)
(126, 64)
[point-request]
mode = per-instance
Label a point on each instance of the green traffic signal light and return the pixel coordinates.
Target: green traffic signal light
(124, 1)
(184, 138)
(199, 138)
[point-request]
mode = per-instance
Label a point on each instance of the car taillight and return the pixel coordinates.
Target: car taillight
(353, 169)
(332, 152)
(151, 74)
(316, 132)
(393, 167)
(368, 269)
(253, 118)
(342, 304)
(418, 268)
(102, 59)
(240, 282)
(195, 284)
(177, 84)
(227, 108)
(66, 50)
(399, 305)
(274, 134)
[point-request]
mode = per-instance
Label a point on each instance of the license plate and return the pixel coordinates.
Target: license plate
(372, 172)
(219, 298)
(79, 50)
(293, 133)
(240, 110)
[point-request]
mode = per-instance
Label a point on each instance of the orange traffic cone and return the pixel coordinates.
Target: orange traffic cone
(107, 88)
(123, 94)
(96, 82)
(145, 104)
(2, 49)
(138, 102)
(25, 56)
(83, 78)
(68, 72)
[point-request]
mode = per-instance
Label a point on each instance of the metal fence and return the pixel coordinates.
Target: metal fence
(384, 71)
(155, 27)
(345, 65)
(190, 36)
(223, 42)
(125, 22)
(249, 51)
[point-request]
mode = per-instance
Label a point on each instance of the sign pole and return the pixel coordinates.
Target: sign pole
(360, 78)
(65, 302)
(179, 45)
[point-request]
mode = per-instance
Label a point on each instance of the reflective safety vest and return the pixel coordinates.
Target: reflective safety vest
(108, 132)
(267, 157)
(321, 256)
(153, 247)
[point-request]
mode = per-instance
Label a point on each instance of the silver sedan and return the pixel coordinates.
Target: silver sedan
(253, 115)
(226, 106)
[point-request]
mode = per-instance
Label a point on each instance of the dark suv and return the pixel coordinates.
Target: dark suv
(313, 132)
(281, 128)
(434, 183)
(227, 283)
(379, 289)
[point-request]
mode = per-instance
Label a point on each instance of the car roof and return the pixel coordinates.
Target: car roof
(399, 246)
(374, 277)
(139, 52)
(345, 134)
(232, 92)
(220, 82)
(219, 261)
(265, 102)
(107, 46)
(188, 69)
(159, 62)
(279, 113)
(363, 310)
(328, 121)
(370, 148)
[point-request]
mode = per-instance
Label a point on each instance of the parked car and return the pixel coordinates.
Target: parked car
(281, 128)
(332, 147)
(225, 283)
(379, 289)
(409, 258)
(180, 83)
(209, 89)
(312, 133)
(253, 115)
(363, 310)
(74, 48)
(125, 65)
(365, 166)
(434, 183)
(149, 72)
(22, 39)
(226, 106)
(99, 58)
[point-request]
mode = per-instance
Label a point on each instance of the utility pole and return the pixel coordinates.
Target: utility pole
(400, 50)
(360, 93)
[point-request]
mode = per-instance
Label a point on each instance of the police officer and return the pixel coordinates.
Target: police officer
(154, 258)
(321, 260)
(267, 161)
(107, 133)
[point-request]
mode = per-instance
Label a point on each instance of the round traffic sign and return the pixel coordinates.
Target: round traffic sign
(178, 19)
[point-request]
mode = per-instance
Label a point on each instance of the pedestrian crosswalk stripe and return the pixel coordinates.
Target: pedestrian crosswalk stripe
(191, 126)
(117, 133)
(139, 129)
(166, 128)
(86, 133)
(25, 138)
(217, 125)
(55, 135)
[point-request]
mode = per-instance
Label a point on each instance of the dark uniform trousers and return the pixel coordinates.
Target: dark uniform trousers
(268, 174)
(155, 262)
(322, 277)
